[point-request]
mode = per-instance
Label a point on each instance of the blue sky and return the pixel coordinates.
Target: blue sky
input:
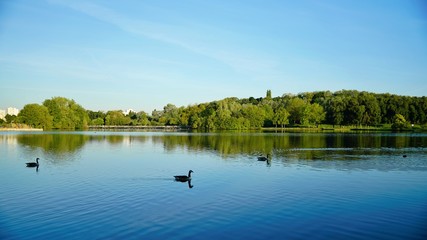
(109, 55)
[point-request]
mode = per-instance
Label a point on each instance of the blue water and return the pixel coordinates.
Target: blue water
(120, 186)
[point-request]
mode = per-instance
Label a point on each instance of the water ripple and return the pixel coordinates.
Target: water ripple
(340, 193)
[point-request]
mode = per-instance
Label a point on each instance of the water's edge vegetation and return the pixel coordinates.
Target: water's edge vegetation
(345, 110)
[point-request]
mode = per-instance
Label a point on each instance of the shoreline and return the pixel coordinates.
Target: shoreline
(21, 129)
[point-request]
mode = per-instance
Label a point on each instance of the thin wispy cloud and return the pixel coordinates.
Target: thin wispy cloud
(243, 61)
(62, 68)
(145, 54)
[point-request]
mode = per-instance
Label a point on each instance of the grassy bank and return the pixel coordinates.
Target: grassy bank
(351, 128)
(21, 129)
(18, 127)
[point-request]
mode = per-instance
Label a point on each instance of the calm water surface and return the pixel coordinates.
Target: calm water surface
(119, 185)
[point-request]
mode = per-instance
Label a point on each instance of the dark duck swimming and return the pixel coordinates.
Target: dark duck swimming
(183, 178)
(33, 164)
(262, 158)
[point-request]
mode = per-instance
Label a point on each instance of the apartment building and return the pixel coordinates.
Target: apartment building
(10, 111)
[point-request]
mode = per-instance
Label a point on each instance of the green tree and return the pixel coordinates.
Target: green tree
(67, 114)
(170, 115)
(421, 109)
(306, 96)
(10, 118)
(335, 112)
(268, 106)
(142, 118)
(268, 95)
(399, 122)
(281, 117)
(116, 117)
(95, 115)
(353, 112)
(79, 116)
(314, 114)
(254, 114)
(296, 108)
(155, 117)
(36, 115)
(194, 119)
(208, 116)
(371, 109)
(97, 122)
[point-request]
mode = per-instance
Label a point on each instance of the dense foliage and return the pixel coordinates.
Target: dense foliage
(36, 115)
(56, 113)
(67, 114)
(346, 107)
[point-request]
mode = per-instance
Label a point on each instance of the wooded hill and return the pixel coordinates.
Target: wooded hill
(308, 109)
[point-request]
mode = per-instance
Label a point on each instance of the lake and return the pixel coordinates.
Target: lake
(120, 185)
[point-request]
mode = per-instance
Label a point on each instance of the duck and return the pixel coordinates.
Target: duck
(262, 158)
(183, 178)
(33, 164)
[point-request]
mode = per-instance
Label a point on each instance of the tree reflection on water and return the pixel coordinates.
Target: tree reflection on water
(282, 146)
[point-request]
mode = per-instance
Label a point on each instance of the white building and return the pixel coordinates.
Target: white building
(12, 111)
(2, 114)
(126, 112)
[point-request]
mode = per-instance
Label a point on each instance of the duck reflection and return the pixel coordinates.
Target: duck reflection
(189, 184)
(186, 181)
(36, 168)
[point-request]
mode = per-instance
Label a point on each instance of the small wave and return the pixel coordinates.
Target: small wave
(152, 178)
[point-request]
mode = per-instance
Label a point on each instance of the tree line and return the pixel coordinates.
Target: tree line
(345, 107)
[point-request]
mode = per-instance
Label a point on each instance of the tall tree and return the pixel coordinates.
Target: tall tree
(296, 108)
(281, 117)
(170, 115)
(66, 113)
(268, 95)
(372, 111)
(36, 115)
(10, 118)
(337, 107)
(314, 114)
(399, 122)
(117, 118)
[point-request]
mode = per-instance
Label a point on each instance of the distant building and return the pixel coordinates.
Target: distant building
(126, 112)
(2, 114)
(12, 111)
